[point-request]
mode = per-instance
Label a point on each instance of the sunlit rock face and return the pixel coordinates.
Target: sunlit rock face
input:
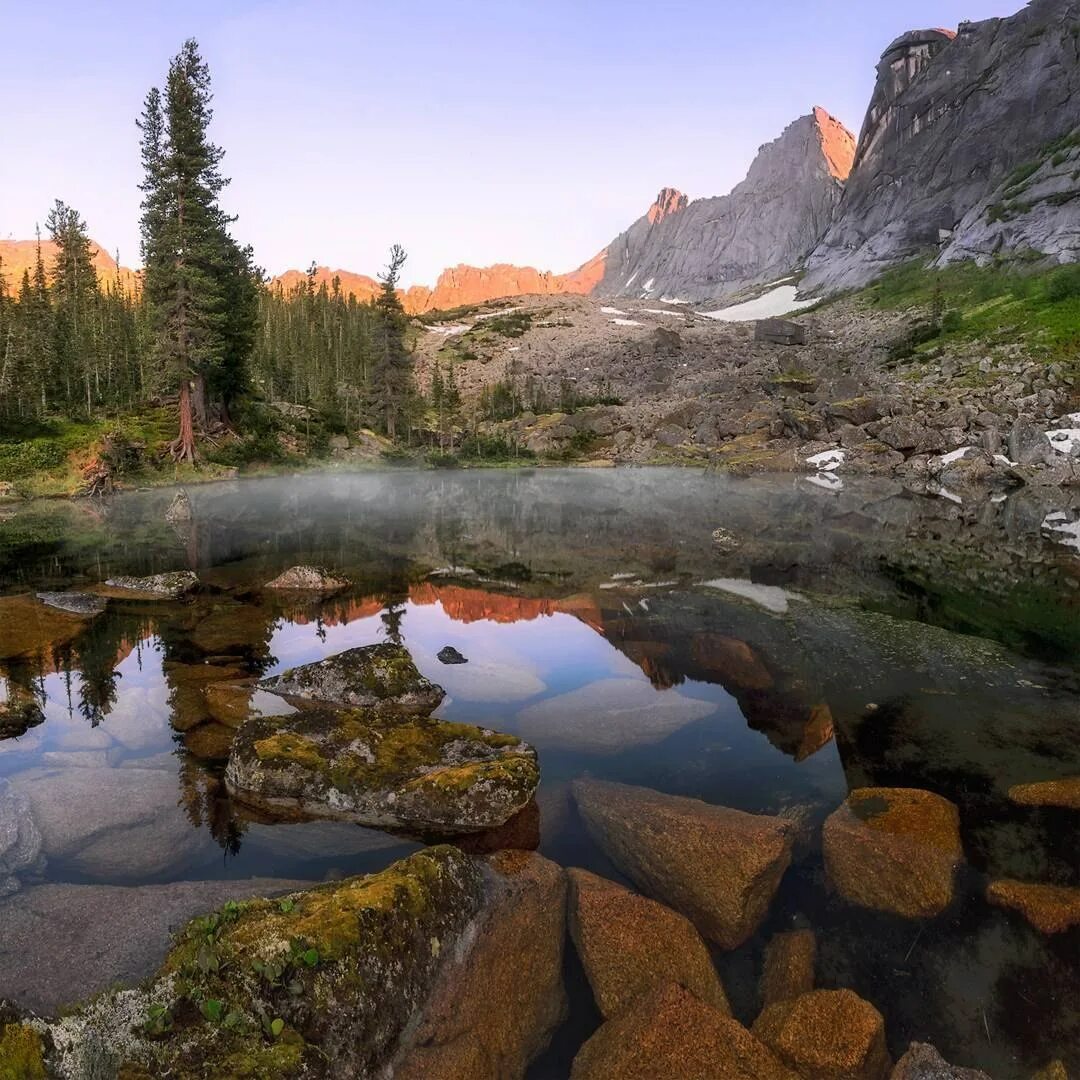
(951, 120)
(710, 248)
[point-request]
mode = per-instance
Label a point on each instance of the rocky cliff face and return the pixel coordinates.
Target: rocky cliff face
(969, 142)
(17, 256)
(710, 248)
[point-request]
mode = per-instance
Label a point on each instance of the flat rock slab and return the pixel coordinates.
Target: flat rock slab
(169, 586)
(419, 775)
(75, 603)
(894, 849)
(717, 866)
(827, 1035)
(1051, 909)
(64, 943)
(372, 676)
(629, 945)
(669, 1033)
(315, 579)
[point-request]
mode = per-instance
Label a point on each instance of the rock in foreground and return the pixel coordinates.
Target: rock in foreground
(316, 579)
(894, 849)
(155, 587)
(422, 776)
(372, 676)
(1064, 793)
(827, 1035)
(630, 945)
(923, 1062)
(1051, 909)
(717, 866)
(74, 603)
(670, 1033)
(789, 966)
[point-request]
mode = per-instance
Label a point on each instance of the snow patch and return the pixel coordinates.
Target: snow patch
(449, 331)
(611, 311)
(827, 461)
(827, 480)
(501, 311)
(672, 300)
(954, 455)
(649, 284)
(945, 493)
(631, 279)
(771, 305)
(1062, 530)
(770, 597)
(1065, 440)
(661, 311)
(625, 322)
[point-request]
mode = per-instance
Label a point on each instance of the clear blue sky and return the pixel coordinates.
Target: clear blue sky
(470, 131)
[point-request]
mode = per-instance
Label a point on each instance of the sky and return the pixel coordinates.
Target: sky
(475, 131)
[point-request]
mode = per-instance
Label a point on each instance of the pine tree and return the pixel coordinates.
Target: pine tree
(391, 393)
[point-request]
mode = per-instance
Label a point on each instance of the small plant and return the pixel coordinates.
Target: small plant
(158, 1021)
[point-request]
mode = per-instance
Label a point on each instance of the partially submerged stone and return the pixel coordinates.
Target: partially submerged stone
(314, 579)
(179, 510)
(449, 655)
(717, 866)
(169, 586)
(1051, 909)
(789, 966)
(1064, 793)
(494, 1010)
(74, 603)
(20, 840)
(923, 1062)
(669, 1033)
(894, 849)
(420, 775)
(382, 676)
(827, 1035)
(629, 944)
(19, 712)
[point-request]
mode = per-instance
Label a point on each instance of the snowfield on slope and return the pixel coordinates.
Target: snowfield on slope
(770, 305)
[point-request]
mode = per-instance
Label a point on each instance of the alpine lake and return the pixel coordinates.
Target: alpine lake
(827, 639)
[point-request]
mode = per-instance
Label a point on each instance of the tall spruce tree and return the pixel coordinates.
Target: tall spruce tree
(391, 390)
(200, 285)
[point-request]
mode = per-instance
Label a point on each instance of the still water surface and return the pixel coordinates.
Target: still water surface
(848, 638)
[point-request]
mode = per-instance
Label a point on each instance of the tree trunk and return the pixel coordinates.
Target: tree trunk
(182, 447)
(200, 405)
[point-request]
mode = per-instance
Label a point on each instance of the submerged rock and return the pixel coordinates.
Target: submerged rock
(827, 1035)
(101, 935)
(179, 511)
(923, 1062)
(233, 703)
(423, 776)
(309, 579)
(382, 676)
(493, 1011)
(1052, 909)
(789, 966)
(20, 840)
(19, 713)
(629, 945)
(155, 587)
(894, 849)
(717, 866)
(75, 603)
(449, 655)
(210, 741)
(29, 628)
(670, 1033)
(1064, 793)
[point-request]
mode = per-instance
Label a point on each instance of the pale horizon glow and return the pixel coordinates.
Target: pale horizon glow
(480, 132)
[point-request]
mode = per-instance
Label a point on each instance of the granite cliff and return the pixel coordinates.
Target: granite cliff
(714, 247)
(971, 142)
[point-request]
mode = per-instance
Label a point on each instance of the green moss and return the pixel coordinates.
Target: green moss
(21, 1053)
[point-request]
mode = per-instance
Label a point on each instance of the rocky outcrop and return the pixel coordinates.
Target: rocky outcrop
(965, 144)
(155, 587)
(894, 849)
(827, 1035)
(317, 579)
(762, 230)
(717, 866)
(670, 1033)
(423, 776)
(74, 603)
(372, 676)
(630, 945)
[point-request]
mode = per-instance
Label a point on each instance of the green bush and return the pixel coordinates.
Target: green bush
(254, 448)
(18, 459)
(1063, 284)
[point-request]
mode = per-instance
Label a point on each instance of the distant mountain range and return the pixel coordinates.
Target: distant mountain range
(18, 256)
(970, 148)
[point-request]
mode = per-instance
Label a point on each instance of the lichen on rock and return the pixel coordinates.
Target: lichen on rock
(420, 775)
(170, 586)
(315, 579)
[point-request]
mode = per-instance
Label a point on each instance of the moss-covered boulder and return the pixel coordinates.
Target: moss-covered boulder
(422, 776)
(169, 586)
(495, 1009)
(629, 944)
(827, 1035)
(372, 676)
(313, 579)
(895, 850)
(717, 866)
(668, 1032)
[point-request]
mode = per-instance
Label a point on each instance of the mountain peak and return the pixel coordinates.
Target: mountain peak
(669, 201)
(837, 143)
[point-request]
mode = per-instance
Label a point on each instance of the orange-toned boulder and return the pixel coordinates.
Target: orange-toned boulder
(827, 1035)
(629, 945)
(894, 849)
(1065, 793)
(789, 966)
(1049, 908)
(668, 1034)
(717, 866)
